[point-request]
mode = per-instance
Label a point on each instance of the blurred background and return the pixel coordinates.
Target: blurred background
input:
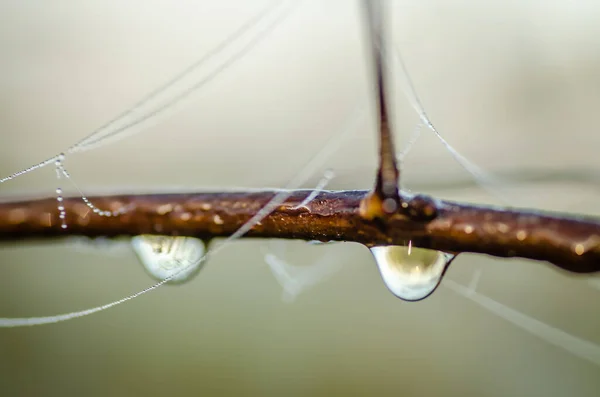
(513, 85)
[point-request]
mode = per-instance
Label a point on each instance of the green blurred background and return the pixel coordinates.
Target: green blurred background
(513, 85)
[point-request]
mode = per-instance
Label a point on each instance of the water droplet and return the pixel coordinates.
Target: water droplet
(411, 273)
(163, 256)
(319, 242)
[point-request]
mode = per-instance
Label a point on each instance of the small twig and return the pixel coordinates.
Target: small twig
(385, 199)
(568, 241)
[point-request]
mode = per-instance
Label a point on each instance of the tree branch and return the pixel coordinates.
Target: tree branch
(384, 216)
(567, 241)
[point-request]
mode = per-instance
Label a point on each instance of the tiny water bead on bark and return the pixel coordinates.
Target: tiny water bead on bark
(411, 273)
(165, 256)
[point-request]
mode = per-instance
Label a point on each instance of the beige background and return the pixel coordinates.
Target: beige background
(514, 86)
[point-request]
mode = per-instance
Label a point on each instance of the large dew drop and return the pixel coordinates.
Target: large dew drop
(163, 256)
(411, 273)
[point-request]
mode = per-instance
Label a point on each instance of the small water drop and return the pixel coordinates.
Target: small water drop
(319, 242)
(411, 273)
(163, 256)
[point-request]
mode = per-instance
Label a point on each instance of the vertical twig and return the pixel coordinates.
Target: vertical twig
(385, 198)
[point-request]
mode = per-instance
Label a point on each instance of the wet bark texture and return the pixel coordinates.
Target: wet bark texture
(570, 242)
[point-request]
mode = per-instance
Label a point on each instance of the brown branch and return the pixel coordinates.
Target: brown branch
(570, 242)
(384, 216)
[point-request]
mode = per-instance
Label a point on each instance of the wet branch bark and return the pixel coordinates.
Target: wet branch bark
(570, 242)
(383, 216)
